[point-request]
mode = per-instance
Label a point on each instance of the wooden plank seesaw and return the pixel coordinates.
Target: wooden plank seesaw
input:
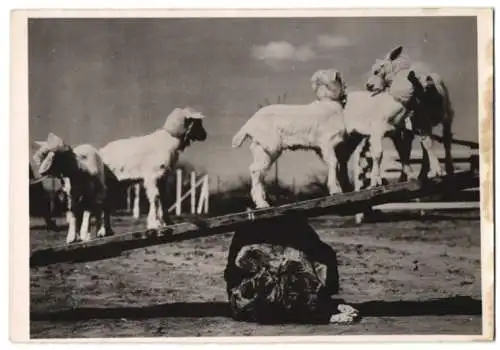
(345, 203)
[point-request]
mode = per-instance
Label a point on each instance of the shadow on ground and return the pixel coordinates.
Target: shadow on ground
(459, 305)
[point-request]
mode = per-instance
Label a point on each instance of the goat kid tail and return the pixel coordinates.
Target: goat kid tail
(239, 138)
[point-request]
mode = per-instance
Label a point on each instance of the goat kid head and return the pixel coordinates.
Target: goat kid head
(54, 157)
(186, 124)
(329, 84)
(383, 70)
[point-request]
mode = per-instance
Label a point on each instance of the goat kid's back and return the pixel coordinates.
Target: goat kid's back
(365, 112)
(274, 124)
(100, 179)
(129, 158)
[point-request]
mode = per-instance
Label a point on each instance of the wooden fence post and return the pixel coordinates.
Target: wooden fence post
(178, 193)
(129, 198)
(206, 192)
(193, 192)
(204, 196)
(52, 196)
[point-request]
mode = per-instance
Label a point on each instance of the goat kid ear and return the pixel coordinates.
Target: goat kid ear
(395, 53)
(175, 122)
(339, 78)
(177, 113)
(429, 81)
(411, 76)
(196, 115)
(54, 141)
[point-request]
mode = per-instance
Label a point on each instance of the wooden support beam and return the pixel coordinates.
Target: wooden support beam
(342, 203)
(427, 206)
(471, 144)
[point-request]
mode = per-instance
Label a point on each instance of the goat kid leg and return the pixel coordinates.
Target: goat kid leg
(434, 166)
(361, 164)
(261, 163)
(136, 209)
(402, 142)
(104, 224)
(160, 214)
(78, 214)
(331, 160)
(99, 218)
(358, 173)
(70, 214)
(71, 220)
(84, 226)
(257, 192)
(153, 194)
(376, 154)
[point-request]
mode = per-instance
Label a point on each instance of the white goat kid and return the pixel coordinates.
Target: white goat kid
(380, 115)
(86, 181)
(433, 108)
(376, 116)
(317, 126)
(147, 159)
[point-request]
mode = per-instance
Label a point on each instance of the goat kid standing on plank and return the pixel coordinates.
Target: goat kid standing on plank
(317, 126)
(322, 126)
(434, 108)
(149, 158)
(86, 182)
(352, 153)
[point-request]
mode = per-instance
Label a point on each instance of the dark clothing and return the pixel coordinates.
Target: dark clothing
(280, 271)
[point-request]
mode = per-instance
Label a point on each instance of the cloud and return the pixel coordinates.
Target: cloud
(276, 51)
(332, 41)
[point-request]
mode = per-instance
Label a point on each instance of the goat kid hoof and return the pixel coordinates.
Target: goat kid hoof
(162, 225)
(102, 234)
(85, 238)
(262, 206)
(334, 191)
(376, 183)
(436, 173)
(73, 241)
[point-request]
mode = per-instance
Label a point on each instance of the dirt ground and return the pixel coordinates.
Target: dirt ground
(406, 275)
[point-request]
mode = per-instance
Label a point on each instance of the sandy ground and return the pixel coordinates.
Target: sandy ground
(407, 275)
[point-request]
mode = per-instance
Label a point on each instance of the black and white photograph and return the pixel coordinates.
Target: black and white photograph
(298, 174)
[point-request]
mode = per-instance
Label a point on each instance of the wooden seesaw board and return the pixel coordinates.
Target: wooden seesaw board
(345, 203)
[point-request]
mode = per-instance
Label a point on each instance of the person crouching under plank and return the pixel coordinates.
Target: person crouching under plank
(279, 271)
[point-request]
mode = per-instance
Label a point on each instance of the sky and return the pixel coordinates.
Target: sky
(97, 80)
